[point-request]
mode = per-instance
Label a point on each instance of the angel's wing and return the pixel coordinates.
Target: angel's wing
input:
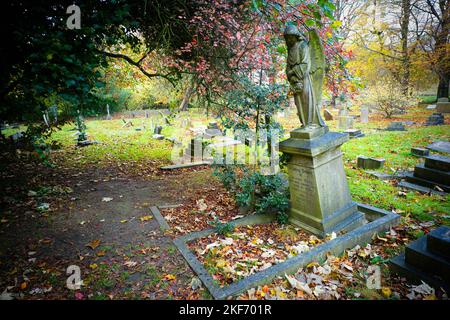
(317, 64)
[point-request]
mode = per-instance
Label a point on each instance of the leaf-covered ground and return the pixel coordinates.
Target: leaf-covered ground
(250, 249)
(91, 209)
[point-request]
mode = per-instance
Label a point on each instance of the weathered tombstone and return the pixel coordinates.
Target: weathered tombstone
(396, 126)
(364, 118)
(436, 119)
(431, 176)
(370, 163)
(327, 115)
(443, 107)
(427, 259)
(354, 133)
(158, 130)
(442, 100)
(420, 152)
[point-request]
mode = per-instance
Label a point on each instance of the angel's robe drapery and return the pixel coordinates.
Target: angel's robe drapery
(298, 71)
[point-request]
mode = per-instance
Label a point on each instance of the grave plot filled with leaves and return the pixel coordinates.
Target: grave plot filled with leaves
(246, 250)
(195, 215)
(344, 277)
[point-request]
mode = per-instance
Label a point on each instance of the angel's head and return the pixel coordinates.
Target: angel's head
(292, 35)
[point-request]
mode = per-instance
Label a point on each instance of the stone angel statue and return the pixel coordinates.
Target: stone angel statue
(305, 72)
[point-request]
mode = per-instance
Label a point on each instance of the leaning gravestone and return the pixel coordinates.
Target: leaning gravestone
(327, 115)
(427, 259)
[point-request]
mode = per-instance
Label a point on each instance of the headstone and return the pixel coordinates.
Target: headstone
(439, 146)
(431, 107)
(443, 107)
(370, 163)
(158, 130)
(364, 114)
(433, 176)
(442, 100)
(420, 152)
(435, 119)
(354, 133)
(327, 115)
(427, 259)
(396, 126)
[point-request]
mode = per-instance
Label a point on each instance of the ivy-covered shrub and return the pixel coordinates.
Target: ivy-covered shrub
(254, 191)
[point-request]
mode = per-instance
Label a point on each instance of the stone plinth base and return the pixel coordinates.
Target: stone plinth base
(427, 259)
(320, 197)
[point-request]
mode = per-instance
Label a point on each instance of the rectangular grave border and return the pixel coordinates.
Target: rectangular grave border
(379, 220)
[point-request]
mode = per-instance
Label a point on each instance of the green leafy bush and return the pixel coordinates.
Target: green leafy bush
(255, 191)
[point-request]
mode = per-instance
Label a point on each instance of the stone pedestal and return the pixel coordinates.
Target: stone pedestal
(320, 198)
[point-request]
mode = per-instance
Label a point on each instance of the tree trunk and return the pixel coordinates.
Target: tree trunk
(443, 87)
(404, 30)
(187, 96)
(442, 50)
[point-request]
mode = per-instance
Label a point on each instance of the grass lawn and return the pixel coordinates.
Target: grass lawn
(119, 145)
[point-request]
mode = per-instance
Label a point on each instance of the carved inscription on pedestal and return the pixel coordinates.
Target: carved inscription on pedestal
(302, 188)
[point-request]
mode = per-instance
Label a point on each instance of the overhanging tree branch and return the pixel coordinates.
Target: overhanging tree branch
(138, 64)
